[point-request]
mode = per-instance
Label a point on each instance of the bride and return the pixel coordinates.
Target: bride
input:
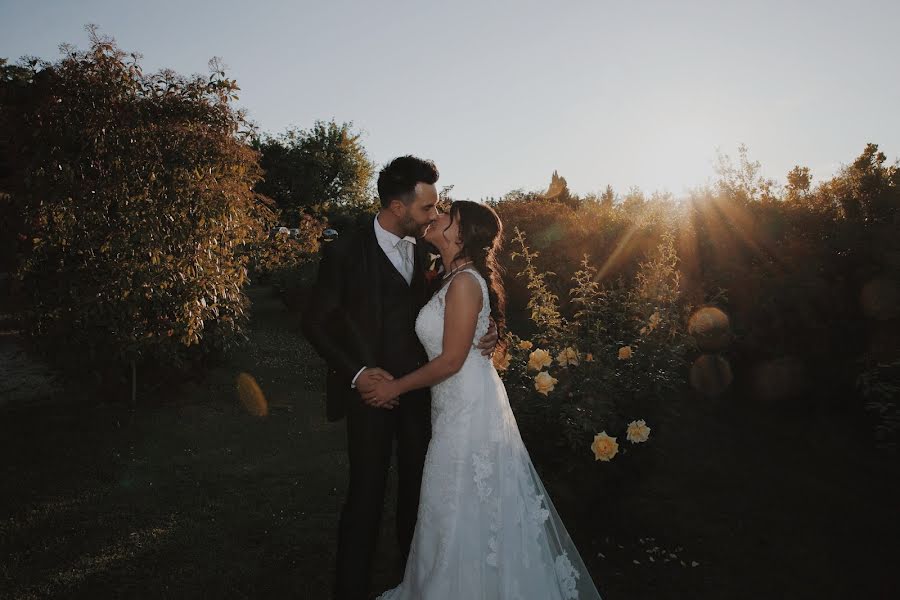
(486, 529)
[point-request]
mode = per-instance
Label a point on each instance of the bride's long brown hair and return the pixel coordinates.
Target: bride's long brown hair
(481, 234)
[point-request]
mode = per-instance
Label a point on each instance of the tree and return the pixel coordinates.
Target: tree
(135, 192)
(867, 190)
(317, 170)
(558, 191)
(608, 197)
(13, 81)
(799, 181)
(743, 182)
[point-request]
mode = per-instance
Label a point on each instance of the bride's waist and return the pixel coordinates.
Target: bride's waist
(472, 370)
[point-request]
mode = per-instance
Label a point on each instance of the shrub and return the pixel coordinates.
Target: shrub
(615, 359)
(282, 251)
(136, 193)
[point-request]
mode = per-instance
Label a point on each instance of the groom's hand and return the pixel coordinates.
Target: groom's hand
(489, 341)
(369, 377)
(383, 395)
(366, 383)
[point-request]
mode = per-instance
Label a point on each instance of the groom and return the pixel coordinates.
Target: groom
(361, 320)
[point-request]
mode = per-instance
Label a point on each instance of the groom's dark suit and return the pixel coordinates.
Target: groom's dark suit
(362, 313)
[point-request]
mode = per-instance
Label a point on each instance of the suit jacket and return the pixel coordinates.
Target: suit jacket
(343, 317)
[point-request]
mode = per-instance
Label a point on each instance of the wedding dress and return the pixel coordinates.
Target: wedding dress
(486, 529)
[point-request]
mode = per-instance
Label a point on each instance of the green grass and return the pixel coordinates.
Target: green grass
(193, 497)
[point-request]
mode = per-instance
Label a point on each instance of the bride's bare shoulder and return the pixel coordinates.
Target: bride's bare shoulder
(464, 287)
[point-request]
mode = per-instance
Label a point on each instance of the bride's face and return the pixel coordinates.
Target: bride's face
(443, 233)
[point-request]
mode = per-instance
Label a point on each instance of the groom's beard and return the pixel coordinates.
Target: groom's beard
(411, 228)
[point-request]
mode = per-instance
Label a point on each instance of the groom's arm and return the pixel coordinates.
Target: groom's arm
(326, 324)
(462, 305)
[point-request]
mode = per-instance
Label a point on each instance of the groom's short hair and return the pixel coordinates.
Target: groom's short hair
(398, 179)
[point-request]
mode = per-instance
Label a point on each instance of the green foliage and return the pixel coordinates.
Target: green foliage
(880, 388)
(284, 252)
(806, 273)
(14, 81)
(288, 262)
(600, 390)
(543, 304)
(135, 192)
(321, 169)
(795, 267)
(743, 181)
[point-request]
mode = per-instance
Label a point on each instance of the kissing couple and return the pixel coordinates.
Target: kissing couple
(408, 351)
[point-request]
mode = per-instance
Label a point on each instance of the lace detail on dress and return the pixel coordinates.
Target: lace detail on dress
(492, 555)
(567, 575)
(430, 322)
(486, 527)
(537, 514)
(484, 468)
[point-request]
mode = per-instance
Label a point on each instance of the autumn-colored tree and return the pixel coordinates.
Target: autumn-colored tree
(558, 191)
(608, 197)
(136, 194)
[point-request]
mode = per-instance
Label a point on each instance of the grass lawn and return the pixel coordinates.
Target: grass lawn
(194, 497)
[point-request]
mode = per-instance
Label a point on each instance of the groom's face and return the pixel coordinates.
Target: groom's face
(419, 214)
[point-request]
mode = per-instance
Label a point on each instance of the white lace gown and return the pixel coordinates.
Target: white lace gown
(486, 528)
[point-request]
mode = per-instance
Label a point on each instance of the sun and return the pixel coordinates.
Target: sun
(680, 156)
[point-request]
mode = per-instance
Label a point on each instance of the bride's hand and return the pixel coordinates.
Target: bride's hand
(382, 395)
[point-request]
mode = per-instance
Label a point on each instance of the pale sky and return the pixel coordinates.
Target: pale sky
(499, 94)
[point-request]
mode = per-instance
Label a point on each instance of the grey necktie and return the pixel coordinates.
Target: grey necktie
(404, 247)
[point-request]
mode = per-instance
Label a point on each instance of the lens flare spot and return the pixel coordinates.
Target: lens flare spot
(711, 375)
(550, 234)
(711, 328)
(880, 299)
(251, 396)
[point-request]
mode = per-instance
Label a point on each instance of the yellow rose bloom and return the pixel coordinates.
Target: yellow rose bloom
(637, 432)
(625, 352)
(501, 360)
(544, 382)
(569, 356)
(604, 447)
(539, 359)
(525, 345)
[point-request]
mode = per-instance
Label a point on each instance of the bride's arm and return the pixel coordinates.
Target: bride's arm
(463, 303)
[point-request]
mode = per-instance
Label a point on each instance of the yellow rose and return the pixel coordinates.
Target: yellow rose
(604, 447)
(637, 432)
(569, 356)
(588, 357)
(525, 345)
(624, 352)
(544, 383)
(501, 360)
(539, 359)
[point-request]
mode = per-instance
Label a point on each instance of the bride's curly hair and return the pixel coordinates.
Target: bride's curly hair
(481, 234)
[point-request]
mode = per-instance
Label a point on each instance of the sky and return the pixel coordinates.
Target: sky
(502, 93)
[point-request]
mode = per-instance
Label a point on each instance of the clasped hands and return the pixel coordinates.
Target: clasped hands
(371, 385)
(379, 390)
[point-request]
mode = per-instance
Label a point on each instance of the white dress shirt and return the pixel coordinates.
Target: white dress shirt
(388, 243)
